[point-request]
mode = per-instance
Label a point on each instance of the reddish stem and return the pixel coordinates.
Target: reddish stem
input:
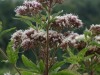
(92, 72)
(47, 49)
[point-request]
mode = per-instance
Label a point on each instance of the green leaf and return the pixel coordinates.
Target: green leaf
(6, 31)
(66, 72)
(97, 67)
(56, 66)
(11, 54)
(75, 59)
(94, 43)
(82, 53)
(29, 23)
(89, 56)
(69, 52)
(30, 64)
(28, 73)
(41, 66)
(56, 14)
(25, 20)
(0, 25)
(87, 33)
(29, 20)
(72, 60)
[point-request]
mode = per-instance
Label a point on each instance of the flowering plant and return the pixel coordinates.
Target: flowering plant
(49, 34)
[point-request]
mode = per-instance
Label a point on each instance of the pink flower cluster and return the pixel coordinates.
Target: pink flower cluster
(67, 21)
(29, 8)
(95, 29)
(31, 39)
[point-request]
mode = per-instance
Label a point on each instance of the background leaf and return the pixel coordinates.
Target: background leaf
(41, 66)
(66, 72)
(6, 31)
(28, 63)
(0, 25)
(56, 66)
(12, 54)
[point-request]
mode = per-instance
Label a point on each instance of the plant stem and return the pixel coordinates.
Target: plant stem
(3, 54)
(92, 72)
(17, 69)
(47, 49)
(47, 43)
(7, 59)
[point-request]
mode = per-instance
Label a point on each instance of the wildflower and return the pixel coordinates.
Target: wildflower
(93, 50)
(97, 39)
(55, 37)
(80, 45)
(69, 40)
(17, 35)
(95, 29)
(21, 10)
(27, 33)
(29, 8)
(71, 37)
(67, 21)
(32, 5)
(80, 42)
(39, 36)
(80, 38)
(26, 44)
(16, 38)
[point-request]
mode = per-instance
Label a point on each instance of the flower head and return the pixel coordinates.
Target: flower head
(28, 8)
(55, 38)
(67, 21)
(95, 29)
(97, 39)
(69, 40)
(80, 38)
(16, 38)
(21, 10)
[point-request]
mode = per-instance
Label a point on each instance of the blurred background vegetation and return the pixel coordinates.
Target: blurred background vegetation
(87, 10)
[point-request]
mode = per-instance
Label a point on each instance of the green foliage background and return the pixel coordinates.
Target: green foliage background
(87, 10)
